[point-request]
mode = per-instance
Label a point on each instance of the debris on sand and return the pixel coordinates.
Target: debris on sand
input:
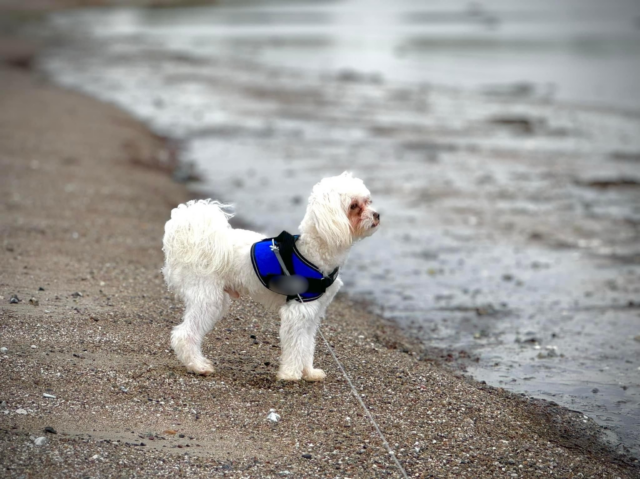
(273, 416)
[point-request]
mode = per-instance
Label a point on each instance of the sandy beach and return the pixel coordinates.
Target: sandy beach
(85, 194)
(509, 191)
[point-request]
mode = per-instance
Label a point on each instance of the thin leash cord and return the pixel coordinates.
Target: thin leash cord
(276, 251)
(364, 407)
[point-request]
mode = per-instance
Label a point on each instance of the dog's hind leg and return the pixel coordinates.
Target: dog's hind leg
(205, 304)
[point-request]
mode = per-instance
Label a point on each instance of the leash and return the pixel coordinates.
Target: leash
(276, 251)
(364, 407)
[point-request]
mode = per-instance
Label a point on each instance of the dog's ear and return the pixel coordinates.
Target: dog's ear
(330, 218)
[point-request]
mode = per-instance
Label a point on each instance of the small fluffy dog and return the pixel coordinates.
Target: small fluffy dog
(208, 263)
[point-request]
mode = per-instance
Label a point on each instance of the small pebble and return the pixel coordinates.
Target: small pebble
(3, 350)
(48, 396)
(50, 430)
(40, 441)
(33, 346)
(595, 390)
(21, 411)
(273, 416)
(14, 299)
(306, 456)
(34, 302)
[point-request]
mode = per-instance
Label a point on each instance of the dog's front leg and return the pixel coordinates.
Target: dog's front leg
(299, 323)
(309, 373)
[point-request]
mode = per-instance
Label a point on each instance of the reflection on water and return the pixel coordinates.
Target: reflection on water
(510, 218)
(585, 51)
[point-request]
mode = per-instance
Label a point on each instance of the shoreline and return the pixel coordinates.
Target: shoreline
(41, 237)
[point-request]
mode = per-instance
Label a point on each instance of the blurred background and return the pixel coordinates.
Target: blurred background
(500, 140)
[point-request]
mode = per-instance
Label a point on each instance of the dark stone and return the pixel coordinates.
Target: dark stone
(50, 430)
(306, 456)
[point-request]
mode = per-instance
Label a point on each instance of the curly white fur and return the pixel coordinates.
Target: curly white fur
(207, 263)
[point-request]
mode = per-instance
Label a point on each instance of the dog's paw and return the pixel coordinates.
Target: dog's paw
(203, 367)
(313, 375)
(288, 376)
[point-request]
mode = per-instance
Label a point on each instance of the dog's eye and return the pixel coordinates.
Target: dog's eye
(354, 206)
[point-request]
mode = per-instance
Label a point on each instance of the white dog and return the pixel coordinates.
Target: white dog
(208, 263)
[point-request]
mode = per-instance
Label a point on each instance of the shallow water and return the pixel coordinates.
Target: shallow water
(510, 215)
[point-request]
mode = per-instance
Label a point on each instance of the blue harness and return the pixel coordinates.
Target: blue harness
(282, 269)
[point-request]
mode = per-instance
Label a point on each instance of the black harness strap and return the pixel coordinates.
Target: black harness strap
(321, 285)
(285, 242)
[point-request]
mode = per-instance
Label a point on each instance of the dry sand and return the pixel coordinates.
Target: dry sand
(84, 197)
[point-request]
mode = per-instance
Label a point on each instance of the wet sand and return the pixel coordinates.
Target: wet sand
(85, 194)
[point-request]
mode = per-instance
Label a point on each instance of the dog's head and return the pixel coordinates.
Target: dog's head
(340, 211)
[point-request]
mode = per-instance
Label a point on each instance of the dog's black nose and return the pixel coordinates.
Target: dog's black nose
(376, 216)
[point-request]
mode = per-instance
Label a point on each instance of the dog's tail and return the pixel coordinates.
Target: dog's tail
(197, 237)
